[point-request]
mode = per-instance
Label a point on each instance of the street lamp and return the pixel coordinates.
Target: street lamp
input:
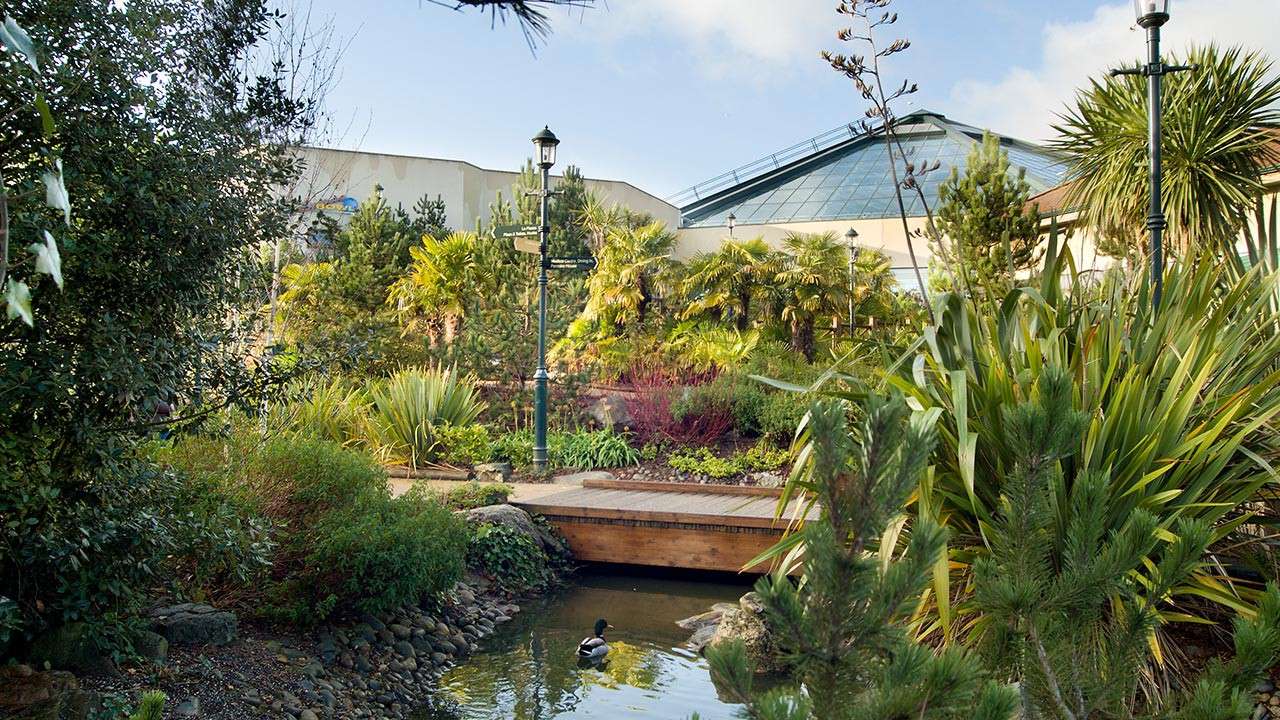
(544, 145)
(850, 237)
(733, 219)
(1151, 14)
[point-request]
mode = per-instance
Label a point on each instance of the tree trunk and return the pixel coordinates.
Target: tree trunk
(744, 312)
(802, 337)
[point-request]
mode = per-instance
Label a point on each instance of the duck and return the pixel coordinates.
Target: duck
(594, 646)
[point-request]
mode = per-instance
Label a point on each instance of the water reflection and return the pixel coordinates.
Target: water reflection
(529, 671)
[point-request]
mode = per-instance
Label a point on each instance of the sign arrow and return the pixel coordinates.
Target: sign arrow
(502, 232)
(571, 263)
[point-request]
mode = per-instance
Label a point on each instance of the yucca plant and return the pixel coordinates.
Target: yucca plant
(1182, 407)
(406, 409)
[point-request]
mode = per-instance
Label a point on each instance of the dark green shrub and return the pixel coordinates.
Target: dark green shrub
(381, 552)
(344, 542)
(781, 413)
(221, 541)
(516, 447)
(464, 444)
(510, 557)
(474, 495)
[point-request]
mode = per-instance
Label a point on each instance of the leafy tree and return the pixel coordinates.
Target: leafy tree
(725, 282)
(173, 184)
(25, 76)
(989, 232)
(1219, 122)
(812, 283)
(843, 628)
(335, 311)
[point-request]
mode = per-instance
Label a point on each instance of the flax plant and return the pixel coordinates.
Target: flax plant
(407, 408)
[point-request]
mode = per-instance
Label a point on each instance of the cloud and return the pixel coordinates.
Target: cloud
(768, 35)
(1025, 101)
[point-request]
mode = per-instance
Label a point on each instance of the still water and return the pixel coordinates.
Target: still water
(528, 671)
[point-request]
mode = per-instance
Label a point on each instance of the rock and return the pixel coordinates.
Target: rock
(519, 520)
(746, 624)
(403, 647)
(400, 631)
(71, 648)
(495, 472)
(151, 646)
(193, 624)
(25, 693)
(578, 478)
(702, 636)
(188, 708)
(308, 714)
(766, 478)
(610, 411)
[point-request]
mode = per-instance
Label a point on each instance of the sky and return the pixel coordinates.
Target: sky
(666, 93)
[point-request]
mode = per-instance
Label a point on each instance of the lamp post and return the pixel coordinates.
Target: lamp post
(1151, 14)
(733, 219)
(544, 145)
(850, 237)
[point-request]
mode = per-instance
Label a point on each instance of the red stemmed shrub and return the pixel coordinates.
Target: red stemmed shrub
(657, 390)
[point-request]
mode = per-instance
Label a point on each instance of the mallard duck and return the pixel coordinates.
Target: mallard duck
(595, 646)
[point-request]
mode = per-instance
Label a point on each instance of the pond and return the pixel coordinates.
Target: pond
(528, 671)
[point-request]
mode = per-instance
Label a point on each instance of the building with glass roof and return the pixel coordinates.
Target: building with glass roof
(841, 179)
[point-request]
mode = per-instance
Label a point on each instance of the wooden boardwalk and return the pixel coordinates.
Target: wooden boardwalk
(701, 527)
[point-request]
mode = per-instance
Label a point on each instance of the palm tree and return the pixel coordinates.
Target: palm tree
(873, 284)
(1219, 121)
(812, 282)
(442, 281)
(631, 269)
(724, 282)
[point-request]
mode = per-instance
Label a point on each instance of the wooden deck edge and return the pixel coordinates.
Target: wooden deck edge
(658, 486)
(399, 472)
(730, 521)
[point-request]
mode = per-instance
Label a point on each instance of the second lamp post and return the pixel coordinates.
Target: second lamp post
(1151, 14)
(544, 144)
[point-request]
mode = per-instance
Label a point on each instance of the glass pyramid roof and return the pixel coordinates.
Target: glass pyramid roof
(850, 180)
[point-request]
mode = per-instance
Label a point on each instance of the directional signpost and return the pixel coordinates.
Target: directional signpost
(571, 263)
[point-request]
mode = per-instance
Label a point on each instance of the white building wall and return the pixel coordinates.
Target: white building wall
(332, 175)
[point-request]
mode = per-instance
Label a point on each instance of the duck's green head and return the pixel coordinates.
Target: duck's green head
(601, 626)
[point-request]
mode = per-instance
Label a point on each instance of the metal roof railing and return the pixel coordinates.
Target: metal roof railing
(769, 162)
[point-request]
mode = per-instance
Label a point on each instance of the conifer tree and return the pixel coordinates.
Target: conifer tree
(842, 629)
(989, 232)
(1061, 614)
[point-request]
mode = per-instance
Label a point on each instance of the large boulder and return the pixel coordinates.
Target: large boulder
(194, 624)
(520, 521)
(746, 623)
(55, 695)
(70, 647)
(610, 411)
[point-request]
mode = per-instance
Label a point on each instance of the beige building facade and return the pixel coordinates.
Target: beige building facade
(337, 181)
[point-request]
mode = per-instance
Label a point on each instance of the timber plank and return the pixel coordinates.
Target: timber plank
(665, 547)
